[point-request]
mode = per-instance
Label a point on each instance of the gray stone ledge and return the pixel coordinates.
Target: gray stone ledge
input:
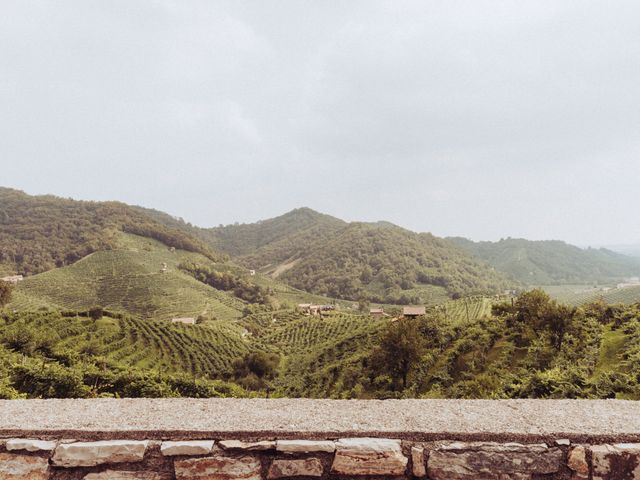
(586, 421)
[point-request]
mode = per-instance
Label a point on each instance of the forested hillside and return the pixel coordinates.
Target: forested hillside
(38, 233)
(378, 262)
(552, 262)
(278, 238)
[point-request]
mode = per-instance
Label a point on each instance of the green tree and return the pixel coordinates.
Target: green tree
(255, 369)
(400, 349)
(96, 313)
(5, 293)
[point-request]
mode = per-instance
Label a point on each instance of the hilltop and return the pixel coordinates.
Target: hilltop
(380, 262)
(552, 262)
(129, 278)
(39, 233)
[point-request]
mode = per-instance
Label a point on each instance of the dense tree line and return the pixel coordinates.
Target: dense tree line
(228, 282)
(38, 233)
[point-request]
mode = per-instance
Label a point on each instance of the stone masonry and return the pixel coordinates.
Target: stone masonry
(339, 458)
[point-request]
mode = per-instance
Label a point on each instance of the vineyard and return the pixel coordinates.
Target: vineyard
(200, 350)
(465, 310)
(579, 295)
(291, 333)
(128, 280)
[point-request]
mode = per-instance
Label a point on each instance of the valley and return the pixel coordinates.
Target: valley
(126, 301)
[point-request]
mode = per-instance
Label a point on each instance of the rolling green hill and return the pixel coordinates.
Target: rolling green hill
(128, 279)
(377, 261)
(39, 233)
(552, 262)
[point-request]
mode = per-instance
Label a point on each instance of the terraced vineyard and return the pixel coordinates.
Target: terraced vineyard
(128, 280)
(205, 350)
(292, 333)
(315, 349)
(466, 309)
(579, 295)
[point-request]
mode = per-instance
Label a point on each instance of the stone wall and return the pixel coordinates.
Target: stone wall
(345, 458)
(256, 439)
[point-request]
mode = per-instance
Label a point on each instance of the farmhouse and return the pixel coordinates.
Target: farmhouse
(12, 279)
(185, 320)
(376, 312)
(311, 309)
(412, 312)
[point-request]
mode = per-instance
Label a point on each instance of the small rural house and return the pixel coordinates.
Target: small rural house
(304, 307)
(185, 320)
(13, 279)
(412, 312)
(376, 312)
(311, 309)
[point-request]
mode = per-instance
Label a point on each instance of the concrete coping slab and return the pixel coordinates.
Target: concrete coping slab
(590, 421)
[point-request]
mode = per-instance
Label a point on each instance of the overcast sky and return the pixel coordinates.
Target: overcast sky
(484, 119)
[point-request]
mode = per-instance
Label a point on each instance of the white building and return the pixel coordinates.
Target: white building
(12, 279)
(185, 320)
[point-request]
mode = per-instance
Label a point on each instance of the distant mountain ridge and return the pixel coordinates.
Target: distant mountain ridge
(552, 262)
(311, 251)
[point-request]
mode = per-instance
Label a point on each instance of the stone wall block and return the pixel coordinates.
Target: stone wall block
(577, 462)
(23, 467)
(124, 475)
(305, 446)
(369, 456)
(218, 468)
(307, 467)
(30, 445)
(89, 454)
(492, 461)
(418, 463)
(187, 447)
(616, 462)
(261, 446)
